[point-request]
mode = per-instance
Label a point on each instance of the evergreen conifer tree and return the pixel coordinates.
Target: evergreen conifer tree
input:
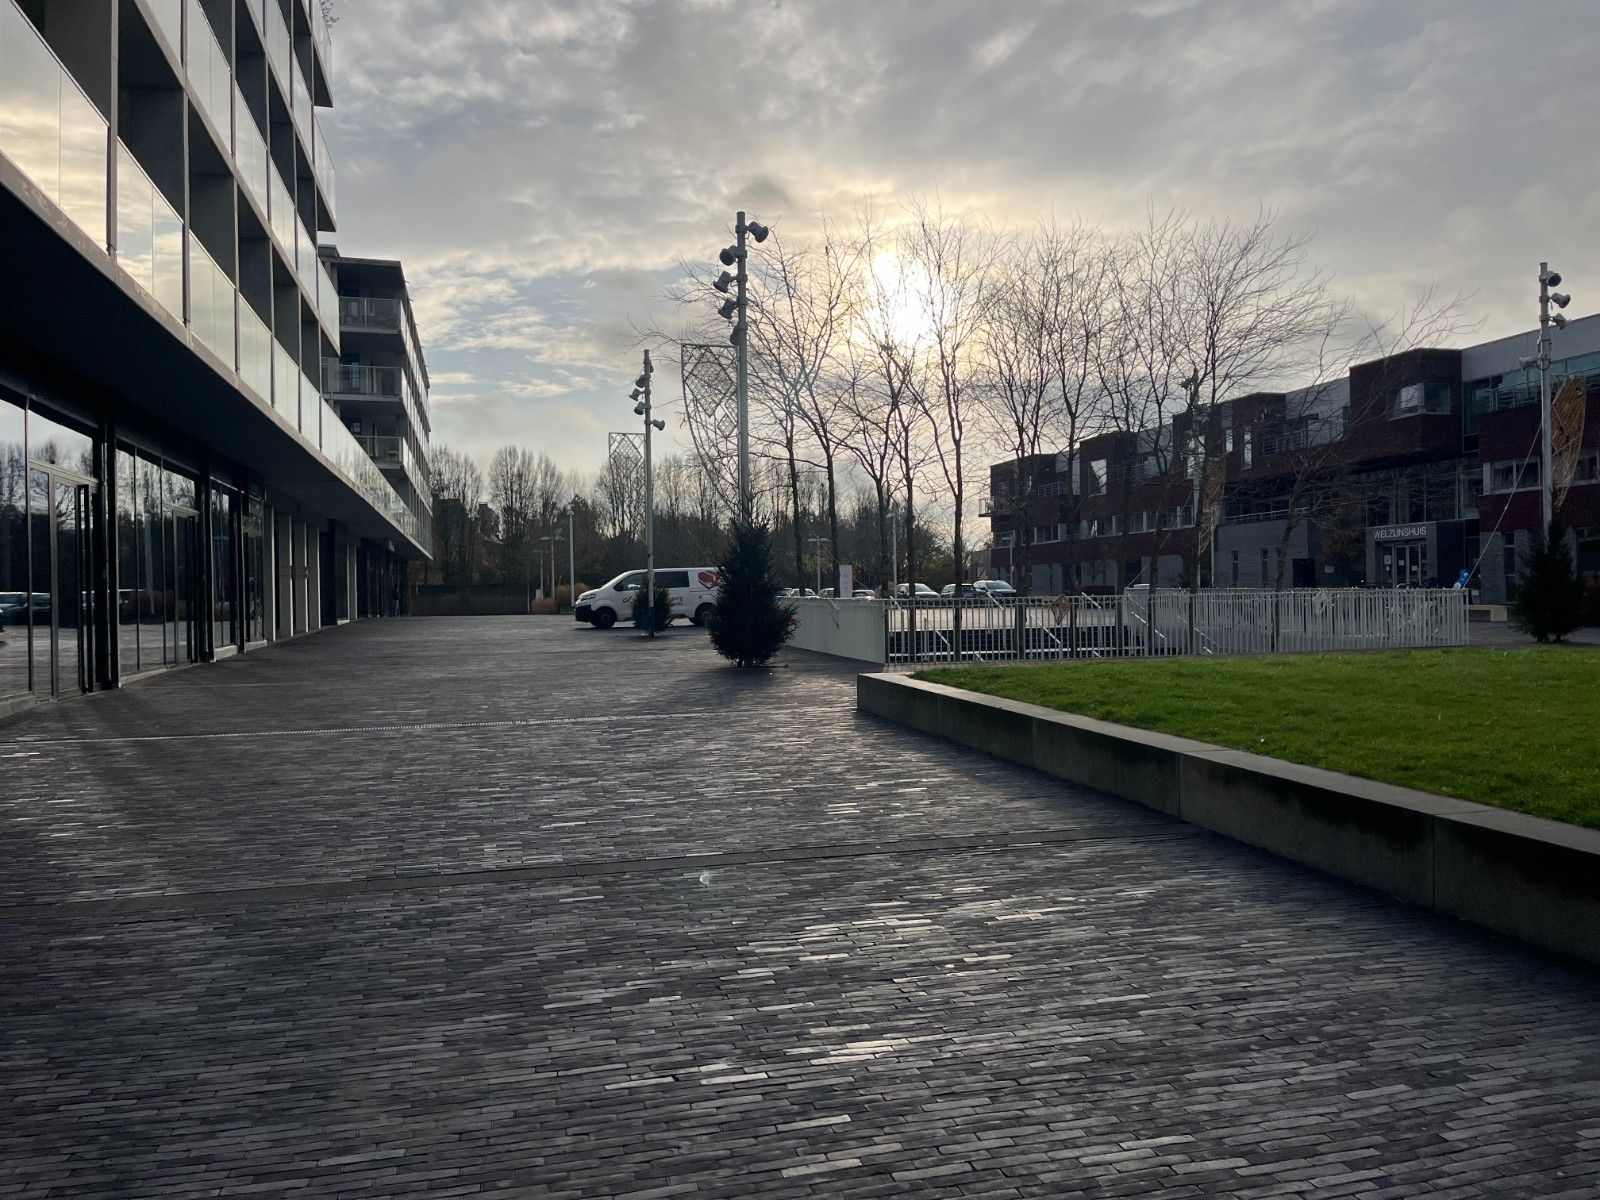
(663, 613)
(1548, 599)
(749, 626)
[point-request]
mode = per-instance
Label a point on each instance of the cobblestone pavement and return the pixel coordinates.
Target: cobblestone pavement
(501, 907)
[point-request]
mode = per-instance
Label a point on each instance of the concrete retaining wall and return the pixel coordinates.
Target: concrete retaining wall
(1533, 879)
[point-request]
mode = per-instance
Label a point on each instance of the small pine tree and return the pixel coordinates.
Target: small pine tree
(663, 610)
(1548, 599)
(749, 626)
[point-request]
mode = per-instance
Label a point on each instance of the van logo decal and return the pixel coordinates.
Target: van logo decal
(708, 579)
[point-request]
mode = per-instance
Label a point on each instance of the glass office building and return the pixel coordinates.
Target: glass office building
(174, 486)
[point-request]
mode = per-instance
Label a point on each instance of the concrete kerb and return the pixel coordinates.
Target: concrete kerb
(1532, 879)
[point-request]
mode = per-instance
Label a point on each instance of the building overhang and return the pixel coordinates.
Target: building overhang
(67, 302)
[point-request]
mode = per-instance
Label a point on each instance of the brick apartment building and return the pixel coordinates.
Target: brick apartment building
(1408, 471)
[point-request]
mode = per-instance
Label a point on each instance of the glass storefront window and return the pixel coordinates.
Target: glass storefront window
(155, 596)
(254, 571)
(224, 625)
(15, 591)
(59, 445)
(129, 585)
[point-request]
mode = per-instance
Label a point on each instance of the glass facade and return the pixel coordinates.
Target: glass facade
(224, 570)
(15, 588)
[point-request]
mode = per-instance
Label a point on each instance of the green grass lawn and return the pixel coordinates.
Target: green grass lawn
(1519, 729)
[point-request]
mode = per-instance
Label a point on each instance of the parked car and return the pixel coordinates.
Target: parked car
(922, 589)
(864, 594)
(995, 587)
(796, 594)
(693, 591)
(958, 591)
(13, 608)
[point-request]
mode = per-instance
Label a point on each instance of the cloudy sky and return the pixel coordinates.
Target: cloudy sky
(541, 166)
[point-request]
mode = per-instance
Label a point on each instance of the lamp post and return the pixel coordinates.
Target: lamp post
(572, 559)
(641, 408)
(894, 551)
(1541, 359)
(551, 540)
(736, 309)
(817, 543)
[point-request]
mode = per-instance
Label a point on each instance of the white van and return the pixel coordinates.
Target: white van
(693, 591)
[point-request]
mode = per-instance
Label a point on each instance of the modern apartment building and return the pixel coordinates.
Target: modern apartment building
(174, 487)
(378, 385)
(1409, 471)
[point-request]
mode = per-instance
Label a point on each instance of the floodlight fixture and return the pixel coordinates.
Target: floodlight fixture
(723, 282)
(635, 394)
(1550, 278)
(757, 230)
(1560, 299)
(1528, 362)
(638, 409)
(729, 256)
(659, 423)
(1558, 320)
(728, 308)
(642, 382)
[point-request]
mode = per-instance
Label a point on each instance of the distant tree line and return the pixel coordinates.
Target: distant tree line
(490, 522)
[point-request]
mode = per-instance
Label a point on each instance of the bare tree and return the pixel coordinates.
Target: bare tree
(457, 485)
(951, 266)
(802, 296)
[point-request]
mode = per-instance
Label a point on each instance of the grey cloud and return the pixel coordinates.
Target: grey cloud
(516, 151)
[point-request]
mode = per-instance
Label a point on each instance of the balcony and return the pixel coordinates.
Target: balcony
(48, 127)
(387, 451)
(994, 506)
(359, 379)
(370, 312)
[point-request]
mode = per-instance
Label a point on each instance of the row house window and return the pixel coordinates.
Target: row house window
(1097, 477)
(1514, 476)
(1416, 398)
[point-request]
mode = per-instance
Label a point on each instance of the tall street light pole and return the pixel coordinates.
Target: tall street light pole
(551, 541)
(736, 309)
(1541, 358)
(572, 560)
(641, 408)
(817, 543)
(894, 550)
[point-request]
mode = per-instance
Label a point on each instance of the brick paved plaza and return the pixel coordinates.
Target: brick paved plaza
(502, 907)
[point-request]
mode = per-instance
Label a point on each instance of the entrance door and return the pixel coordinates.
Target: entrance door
(62, 602)
(1405, 564)
(185, 583)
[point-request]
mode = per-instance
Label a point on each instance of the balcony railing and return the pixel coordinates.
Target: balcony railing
(255, 352)
(994, 506)
(250, 152)
(359, 379)
(149, 235)
(322, 163)
(209, 73)
(391, 450)
(48, 127)
(169, 19)
(211, 303)
(370, 312)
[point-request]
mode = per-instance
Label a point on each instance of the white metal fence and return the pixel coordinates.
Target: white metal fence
(844, 628)
(1137, 624)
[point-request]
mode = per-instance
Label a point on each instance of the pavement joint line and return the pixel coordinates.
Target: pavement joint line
(158, 906)
(421, 725)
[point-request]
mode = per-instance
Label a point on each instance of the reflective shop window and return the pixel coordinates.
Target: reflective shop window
(14, 581)
(224, 615)
(132, 590)
(60, 445)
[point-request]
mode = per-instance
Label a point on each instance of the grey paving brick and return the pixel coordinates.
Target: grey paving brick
(450, 910)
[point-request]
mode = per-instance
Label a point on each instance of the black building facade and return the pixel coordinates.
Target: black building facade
(174, 487)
